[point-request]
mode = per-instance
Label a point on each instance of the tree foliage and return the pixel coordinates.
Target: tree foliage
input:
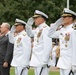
(23, 9)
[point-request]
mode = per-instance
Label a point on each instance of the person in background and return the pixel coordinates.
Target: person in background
(6, 50)
(65, 59)
(42, 43)
(57, 53)
(53, 53)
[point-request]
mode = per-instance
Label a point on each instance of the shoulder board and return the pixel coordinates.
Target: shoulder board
(74, 27)
(24, 34)
(44, 26)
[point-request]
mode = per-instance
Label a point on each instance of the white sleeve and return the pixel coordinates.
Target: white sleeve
(52, 32)
(29, 31)
(47, 45)
(73, 45)
(11, 37)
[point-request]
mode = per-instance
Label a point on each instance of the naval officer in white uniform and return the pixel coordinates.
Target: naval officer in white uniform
(73, 45)
(42, 43)
(65, 59)
(22, 48)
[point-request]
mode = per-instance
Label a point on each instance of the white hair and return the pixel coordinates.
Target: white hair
(7, 25)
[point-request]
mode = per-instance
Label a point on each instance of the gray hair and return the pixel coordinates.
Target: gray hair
(7, 25)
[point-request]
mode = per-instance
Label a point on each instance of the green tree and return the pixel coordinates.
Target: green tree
(23, 9)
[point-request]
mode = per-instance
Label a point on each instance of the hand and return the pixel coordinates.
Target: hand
(30, 21)
(12, 29)
(44, 65)
(5, 64)
(59, 21)
(74, 68)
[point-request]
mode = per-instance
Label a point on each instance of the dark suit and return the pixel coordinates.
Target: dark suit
(6, 52)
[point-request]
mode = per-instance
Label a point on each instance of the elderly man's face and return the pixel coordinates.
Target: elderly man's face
(3, 28)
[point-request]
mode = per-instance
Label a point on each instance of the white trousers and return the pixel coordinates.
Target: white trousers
(21, 71)
(41, 71)
(74, 73)
(64, 71)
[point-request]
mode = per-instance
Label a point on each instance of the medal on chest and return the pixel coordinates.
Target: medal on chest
(18, 40)
(39, 34)
(66, 38)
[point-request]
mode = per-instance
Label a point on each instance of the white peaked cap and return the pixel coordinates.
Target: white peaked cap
(20, 21)
(38, 13)
(68, 11)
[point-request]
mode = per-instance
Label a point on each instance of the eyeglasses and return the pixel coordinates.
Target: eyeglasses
(66, 16)
(16, 25)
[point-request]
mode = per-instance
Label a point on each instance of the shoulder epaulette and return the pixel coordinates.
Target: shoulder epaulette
(74, 27)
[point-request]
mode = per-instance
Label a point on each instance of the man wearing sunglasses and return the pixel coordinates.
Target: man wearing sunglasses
(42, 43)
(22, 48)
(65, 59)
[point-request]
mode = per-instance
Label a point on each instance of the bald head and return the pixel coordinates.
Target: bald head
(5, 28)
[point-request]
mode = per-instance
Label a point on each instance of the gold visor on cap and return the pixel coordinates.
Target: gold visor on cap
(36, 15)
(17, 24)
(66, 15)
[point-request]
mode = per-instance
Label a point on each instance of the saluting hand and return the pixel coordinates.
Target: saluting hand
(30, 22)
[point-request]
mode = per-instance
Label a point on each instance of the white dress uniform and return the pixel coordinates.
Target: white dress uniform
(65, 59)
(65, 49)
(22, 51)
(73, 45)
(42, 46)
(22, 48)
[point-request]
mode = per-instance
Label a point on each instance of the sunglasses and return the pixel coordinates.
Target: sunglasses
(16, 25)
(66, 16)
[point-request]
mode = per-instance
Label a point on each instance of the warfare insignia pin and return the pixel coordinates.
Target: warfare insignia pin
(19, 39)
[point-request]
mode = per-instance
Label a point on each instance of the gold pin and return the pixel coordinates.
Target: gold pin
(66, 38)
(24, 34)
(44, 26)
(19, 39)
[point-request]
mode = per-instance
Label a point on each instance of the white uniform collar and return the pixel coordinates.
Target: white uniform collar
(7, 33)
(69, 26)
(41, 25)
(21, 32)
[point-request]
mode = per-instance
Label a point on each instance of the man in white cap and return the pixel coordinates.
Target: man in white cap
(65, 59)
(73, 45)
(42, 43)
(22, 48)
